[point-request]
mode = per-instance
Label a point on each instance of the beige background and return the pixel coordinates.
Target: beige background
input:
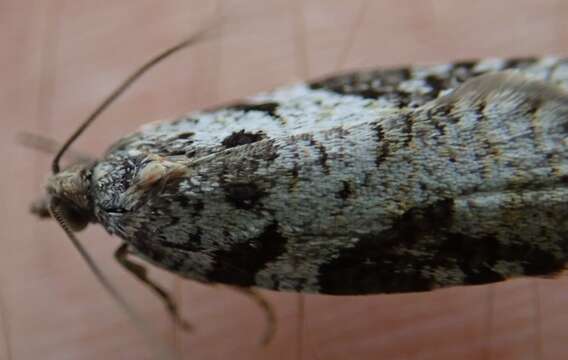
(60, 58)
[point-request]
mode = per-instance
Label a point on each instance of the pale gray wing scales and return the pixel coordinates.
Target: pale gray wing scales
(375, 204)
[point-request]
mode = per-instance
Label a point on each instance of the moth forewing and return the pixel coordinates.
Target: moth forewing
(374, 182)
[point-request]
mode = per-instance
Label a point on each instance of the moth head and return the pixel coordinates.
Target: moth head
(68, 197)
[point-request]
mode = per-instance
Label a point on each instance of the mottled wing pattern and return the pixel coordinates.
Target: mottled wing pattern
(415, 85)
(310, 189)
(334, 101)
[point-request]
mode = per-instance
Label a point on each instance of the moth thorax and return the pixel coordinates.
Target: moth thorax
(68, 194)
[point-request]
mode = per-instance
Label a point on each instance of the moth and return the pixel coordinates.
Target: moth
(381, 181)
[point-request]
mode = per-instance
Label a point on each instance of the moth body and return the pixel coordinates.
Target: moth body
(375, 182)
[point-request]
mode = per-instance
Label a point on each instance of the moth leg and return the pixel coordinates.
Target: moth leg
(140, 272)
(270, 328)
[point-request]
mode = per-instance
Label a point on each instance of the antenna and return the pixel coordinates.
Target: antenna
(120, 90)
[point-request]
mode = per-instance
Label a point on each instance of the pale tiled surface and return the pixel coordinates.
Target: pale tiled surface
(61, 57)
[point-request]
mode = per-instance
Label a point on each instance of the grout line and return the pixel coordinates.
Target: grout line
(301, 325)
(301, 40)
(342, 59)
(537, 320)
(489, 321)
(176, 289)
(5, 327)
(48, 72)
(48, 39)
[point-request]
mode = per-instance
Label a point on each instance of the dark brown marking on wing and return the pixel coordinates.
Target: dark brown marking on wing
(375, 265)
(268, 107)
(419, 253)
(435, 83)
(322, 155)
(407, 129)
(520, 63)
(382, 151)
(185, 135)
(347, 190)
(369, 84)
(242, 137)
(239, 264)
(243, 196)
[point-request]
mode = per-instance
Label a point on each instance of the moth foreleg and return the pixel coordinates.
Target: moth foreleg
(140, 272)
(266, 308)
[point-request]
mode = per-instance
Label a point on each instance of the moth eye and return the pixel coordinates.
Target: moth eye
(76, 219)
